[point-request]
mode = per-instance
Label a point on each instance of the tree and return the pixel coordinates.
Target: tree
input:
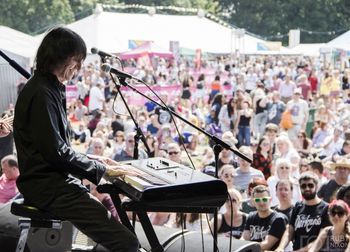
(35, 16)
(269, 18)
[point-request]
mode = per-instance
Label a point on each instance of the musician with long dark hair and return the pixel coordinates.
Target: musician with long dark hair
(50, 170)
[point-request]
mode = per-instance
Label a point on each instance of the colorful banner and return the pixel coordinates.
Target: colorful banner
(133, 43)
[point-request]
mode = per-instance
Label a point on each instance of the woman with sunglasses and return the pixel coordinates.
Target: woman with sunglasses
(335, 238)
(226, 174)
(233, 220)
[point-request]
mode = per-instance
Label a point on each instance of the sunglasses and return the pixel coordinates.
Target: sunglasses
(173, 152)
(309, 185)
(228, 175)
(131, 141)
(284, 167)
(233, 200)
(263, 199)
(339, 213)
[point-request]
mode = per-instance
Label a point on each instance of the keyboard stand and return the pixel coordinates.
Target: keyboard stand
(141, 210)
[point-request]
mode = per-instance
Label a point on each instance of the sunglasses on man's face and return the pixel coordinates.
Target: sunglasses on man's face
(333, 213)
(263, 199)
(309, 185)
(173, 152)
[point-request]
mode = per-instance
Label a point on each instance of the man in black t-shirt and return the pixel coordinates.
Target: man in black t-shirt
(265, 226)
(308, 217)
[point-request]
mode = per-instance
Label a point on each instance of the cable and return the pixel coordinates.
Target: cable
(173, 119)
(212, 234)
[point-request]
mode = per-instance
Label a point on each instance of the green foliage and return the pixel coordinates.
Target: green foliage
(269, 18)
(34, 16)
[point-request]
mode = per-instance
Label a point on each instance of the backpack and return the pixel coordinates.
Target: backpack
(286, 120)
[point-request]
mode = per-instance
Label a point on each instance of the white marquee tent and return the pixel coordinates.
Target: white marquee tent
(111, 32)
(340, 42)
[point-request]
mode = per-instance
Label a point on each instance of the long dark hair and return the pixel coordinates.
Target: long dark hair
(258, 149)
(230, 108)
(58, 46)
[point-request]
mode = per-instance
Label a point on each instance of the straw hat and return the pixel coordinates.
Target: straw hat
(344, 162)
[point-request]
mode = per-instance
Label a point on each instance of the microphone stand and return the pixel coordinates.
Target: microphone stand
(139, 134)
(15, 65)
(218, 146)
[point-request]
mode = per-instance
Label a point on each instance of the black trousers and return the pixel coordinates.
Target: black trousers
(87, 214)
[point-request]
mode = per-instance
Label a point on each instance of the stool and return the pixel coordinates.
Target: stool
(31, 217)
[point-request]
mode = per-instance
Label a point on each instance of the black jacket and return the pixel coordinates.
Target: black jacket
(48, 165)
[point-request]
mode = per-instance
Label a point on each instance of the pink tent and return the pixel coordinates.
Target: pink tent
(149, 49)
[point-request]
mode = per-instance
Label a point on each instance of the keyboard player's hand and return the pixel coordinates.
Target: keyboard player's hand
(119, 170)
(104, 160)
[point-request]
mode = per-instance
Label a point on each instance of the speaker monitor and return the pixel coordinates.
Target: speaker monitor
(51, 240)
(174, 240)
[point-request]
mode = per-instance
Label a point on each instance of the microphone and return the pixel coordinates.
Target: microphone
(102, 54)
(108, 69)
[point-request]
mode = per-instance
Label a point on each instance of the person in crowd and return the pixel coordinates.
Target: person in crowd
(10, 173)
(226, 155)
(308, 216)
(320, 135)
(80, 110)
(227, 115)
(344, 193)
(259, 107)
(332, 144)
(248, 203)
(82, 134)
(342, 170)
(271, 131)
(215, 107)
(231, 222)
(200, 90)
(265, 226)
(300, 113)
(97, 98)
(316, 167)
(286, 89)
(5, 126)
(127, 153)
(117, 125)
(215, 88)
(304, 145)
(244, 173)
(275, 108)
(92, 124)
(286, 150)
(335, 238)
(242, 124)
(304, 85)
(226, 174)
(6, 134)
(283, 172)
(262, 158)
(284, 192)
(343, 153)
(50, 162)
(153, 145)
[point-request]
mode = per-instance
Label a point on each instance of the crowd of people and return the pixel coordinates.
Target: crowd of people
(290, 115)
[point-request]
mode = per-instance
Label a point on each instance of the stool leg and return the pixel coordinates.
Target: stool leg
(24, 226)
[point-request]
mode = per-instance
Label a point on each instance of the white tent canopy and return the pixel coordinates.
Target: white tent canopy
(340, 42)
(308, 49)
(111, 32)
(18, 43)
